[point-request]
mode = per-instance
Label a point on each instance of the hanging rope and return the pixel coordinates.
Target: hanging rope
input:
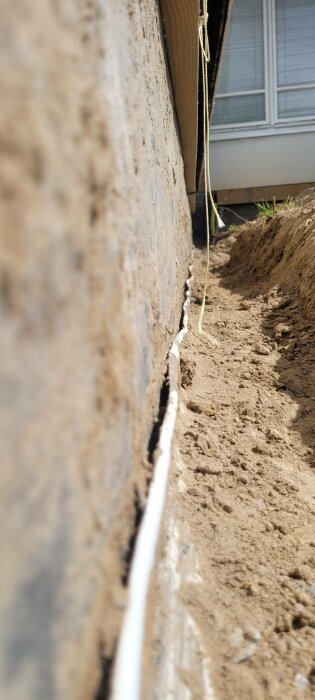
(205, 58)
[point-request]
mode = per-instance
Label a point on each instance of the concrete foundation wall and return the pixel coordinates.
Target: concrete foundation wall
(95, 239)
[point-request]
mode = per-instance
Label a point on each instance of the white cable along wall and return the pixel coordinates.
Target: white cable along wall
(128, 664)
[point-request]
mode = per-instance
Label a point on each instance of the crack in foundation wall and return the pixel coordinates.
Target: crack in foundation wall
(106, 664)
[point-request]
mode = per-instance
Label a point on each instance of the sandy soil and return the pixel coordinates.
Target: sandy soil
(246, 438)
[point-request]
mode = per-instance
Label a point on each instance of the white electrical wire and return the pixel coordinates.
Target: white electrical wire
(205, 58)
(238, 216)
(128, 664)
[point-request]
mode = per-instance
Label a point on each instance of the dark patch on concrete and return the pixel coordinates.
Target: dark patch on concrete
(128, 555)
(28, 627)
(155, 434)
(106, 664)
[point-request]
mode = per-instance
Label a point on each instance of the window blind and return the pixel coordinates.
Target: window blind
(296, 103)
(295, 40)
(240, 96)
(239, 109)
(242, 67)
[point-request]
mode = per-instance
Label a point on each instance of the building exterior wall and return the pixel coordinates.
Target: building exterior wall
(95, 240)
(281, 159)
(263, 119)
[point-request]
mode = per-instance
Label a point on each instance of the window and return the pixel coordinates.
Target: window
(295, 44)
(240, 95)
(267, 72)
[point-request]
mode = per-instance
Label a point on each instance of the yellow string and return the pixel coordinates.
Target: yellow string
(205, 58)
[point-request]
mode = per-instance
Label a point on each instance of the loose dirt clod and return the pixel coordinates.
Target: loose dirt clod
(197, 407)
(255, 537)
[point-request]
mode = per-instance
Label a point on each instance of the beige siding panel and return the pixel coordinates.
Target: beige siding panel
(180, 21)
(263, 161)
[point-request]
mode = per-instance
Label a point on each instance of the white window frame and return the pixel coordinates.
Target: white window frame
(272, 124)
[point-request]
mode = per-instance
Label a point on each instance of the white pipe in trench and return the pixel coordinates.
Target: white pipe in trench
(128, 664)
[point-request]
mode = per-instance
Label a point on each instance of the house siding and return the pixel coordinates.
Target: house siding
(283, 159)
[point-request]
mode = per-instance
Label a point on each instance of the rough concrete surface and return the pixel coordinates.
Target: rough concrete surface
(94, 246)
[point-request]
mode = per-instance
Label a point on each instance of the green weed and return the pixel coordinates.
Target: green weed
(270, 209)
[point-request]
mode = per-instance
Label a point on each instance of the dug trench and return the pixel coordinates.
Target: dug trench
(243, 477)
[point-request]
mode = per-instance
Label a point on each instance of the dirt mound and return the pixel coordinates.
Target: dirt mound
(306, 196)
(281, 251)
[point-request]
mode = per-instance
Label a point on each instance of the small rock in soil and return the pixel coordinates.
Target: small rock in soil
(283, 624)
(298, 573)
(261, 349)
(193, 492)
(202, 443)
(236, 638)
(301, 682)
(207, 408)
(252, 634)
(280, 330)
(187, 373)
(250, 588)
(212, 470)
(227, 508)
(257, 503)
(278, 527)
(245, 305)
(274, 434)
(246, 654)
(260, 449)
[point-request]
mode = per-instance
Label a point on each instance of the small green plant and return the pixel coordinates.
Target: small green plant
(265, 209)
(270, 209)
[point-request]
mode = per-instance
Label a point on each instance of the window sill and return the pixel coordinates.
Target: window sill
(251, 131)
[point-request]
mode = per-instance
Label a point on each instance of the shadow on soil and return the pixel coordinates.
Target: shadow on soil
(231, 215)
